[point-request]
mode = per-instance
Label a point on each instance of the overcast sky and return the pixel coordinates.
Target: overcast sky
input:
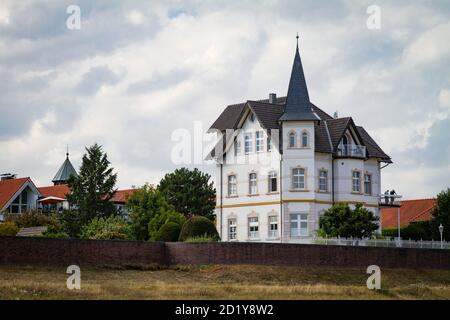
(138, 70)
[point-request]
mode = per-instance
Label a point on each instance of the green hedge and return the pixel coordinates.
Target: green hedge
(198, 226)
(8, 228)
(169, 232)
(414, 231)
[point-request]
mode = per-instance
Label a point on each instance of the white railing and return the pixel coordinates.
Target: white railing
(389, 242)
(388, 199)
(352, 150)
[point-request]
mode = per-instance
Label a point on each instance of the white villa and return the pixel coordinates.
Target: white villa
(281, 162)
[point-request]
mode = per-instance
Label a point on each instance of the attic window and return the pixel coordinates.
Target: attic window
(252, 117)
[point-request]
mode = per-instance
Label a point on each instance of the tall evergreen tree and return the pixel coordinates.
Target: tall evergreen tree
(93, 188)
(190, 192)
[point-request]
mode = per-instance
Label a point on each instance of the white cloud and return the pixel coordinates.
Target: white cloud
(165, 65)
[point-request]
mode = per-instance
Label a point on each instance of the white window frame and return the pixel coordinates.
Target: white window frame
(273, 226)
(248, 143)
(237, 147)
(303, 136)
(253, 228)
(298, 176)
(252, 183)
(368, 180)
(272, 175)
(323, 181)
(299, 220)
(259, 136)
(292, 143)
(232, 229)
(356, 181)
(232, 191)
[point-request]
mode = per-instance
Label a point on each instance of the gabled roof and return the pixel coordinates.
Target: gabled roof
(410, 211)
(9, 189)
(58, 191)
(328, 131)
(121, 196)
(65, 171)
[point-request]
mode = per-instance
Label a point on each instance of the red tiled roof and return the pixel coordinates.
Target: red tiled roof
(58, 191)
(8, 188)
(410, 211)
(121, 196)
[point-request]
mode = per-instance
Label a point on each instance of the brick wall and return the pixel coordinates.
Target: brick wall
(16, 250)
(24, 250)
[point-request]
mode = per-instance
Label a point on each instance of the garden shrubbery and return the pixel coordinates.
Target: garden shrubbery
(111, 228)
(198, 226)
(169, 232)
(8, 228)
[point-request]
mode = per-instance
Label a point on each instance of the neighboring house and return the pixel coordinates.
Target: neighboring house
(282, 162)
(120, 198)
(410, 211)
(17, 195)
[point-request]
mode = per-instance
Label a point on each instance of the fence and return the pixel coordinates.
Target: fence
(386, 243)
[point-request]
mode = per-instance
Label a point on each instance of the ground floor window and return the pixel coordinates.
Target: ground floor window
(299, 224)
(273, 226)
(253, 228)
(232, 229)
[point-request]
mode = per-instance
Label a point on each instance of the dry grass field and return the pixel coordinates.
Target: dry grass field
(221, 282)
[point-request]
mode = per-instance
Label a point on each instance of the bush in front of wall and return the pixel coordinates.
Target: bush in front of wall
(198, 226)
(169, 232)
(8, 228)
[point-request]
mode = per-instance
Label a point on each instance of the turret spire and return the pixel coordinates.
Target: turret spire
(298, 106)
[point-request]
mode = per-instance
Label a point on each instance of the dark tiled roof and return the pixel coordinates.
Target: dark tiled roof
(372, 147)
(326, 131)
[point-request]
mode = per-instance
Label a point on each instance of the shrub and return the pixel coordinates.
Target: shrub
(414, 231)
(169, 232)
(201, 239)
(8, 228)
(110, 228)
(198, 226)
(162, 218)
(33, 218)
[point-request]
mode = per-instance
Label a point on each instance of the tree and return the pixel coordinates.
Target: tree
(190, 192)
(144, 204)
(441, 215)
(341, 220)
(92, 190)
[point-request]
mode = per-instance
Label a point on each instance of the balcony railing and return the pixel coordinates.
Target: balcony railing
(352, 150)
(390, 200)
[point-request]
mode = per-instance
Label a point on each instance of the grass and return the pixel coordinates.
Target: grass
(220, 282)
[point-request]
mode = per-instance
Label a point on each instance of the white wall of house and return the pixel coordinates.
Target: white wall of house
(299, 205)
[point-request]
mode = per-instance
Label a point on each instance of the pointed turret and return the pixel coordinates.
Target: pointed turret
(64, 172)
(298, 107)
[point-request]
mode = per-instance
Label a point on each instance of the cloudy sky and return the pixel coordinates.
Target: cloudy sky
(138, 70)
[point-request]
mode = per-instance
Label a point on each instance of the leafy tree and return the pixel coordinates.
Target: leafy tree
(341, 220)
(110, 228)
(190, 192)
(93, 188)
(144, 204)
(161, 218)
(441, 215)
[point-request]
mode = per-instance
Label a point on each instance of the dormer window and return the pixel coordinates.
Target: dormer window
(292, 139)
(304, 139)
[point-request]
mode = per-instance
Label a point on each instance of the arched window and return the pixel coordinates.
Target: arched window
(292, 139)
(304, 139)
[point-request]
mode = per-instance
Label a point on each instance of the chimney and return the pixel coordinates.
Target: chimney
(7, 176)
(335, 115)
(272, 98)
